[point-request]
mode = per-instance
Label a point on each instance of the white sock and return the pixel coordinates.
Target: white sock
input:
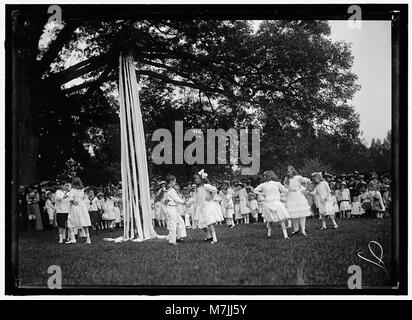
(285, 233)
(302, 223)
(214, 236)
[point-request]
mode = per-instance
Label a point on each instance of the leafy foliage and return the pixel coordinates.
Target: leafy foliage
(289, 79)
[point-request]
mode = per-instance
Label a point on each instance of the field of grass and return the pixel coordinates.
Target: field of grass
(243, 256)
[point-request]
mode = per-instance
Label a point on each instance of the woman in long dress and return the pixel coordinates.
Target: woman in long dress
(78, 214)
(208, 211)
(33, 209)
(273, 209)
(296, 203)
(326, 208)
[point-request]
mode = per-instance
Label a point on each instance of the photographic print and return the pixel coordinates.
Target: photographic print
(205, 148)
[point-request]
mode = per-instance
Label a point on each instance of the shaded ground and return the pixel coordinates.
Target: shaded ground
(243, 256)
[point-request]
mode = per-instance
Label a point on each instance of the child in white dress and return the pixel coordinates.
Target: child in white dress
(50, 208)
(253, 206)
(190, 209)
(345, 203)
(378, 208)
(296, 203)
(260, 200)
(180, 206)
(218, 199)
(322, 191)
(273, 209)
(243, 204)
(117, 218)
(109, 214)
(208, 210)
(78, 215)
(357, 209)
(160, 205)
(187, 211)
(227, 206)
(152, 206)
(335, 202)
(238, 214)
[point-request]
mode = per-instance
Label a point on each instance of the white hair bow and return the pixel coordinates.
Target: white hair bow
(202, 173)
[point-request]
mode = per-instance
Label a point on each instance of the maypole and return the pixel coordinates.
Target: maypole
(135, 176)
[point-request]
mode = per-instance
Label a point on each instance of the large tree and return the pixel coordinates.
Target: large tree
(288, 78)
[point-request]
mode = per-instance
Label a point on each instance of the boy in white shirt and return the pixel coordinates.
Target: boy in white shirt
(62, 208)
(94, 207)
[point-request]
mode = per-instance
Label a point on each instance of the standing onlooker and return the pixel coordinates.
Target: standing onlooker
(345, 201)
(243, 204)
(238, 214)
(387, 199)
(108, 215)
(227, 205)
(357, 209)
(33, 209)
(365, 200)
(93, 207)
(43, 211)
(378, 207)
(253, 206)
(50, 208)
(23, 220)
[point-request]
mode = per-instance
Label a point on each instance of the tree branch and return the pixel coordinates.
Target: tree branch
(62, 38)
(79, 69)
(189, 84)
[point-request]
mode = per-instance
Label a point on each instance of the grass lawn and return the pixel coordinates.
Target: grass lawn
(243, 256)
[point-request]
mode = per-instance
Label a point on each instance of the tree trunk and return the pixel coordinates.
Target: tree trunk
(23, 56)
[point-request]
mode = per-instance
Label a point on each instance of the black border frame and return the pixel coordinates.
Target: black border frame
(397, 13)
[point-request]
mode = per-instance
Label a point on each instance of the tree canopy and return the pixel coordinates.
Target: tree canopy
(287, 78)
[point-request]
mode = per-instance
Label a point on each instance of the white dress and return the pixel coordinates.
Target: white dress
(357, 209)
(152, 207)
(296, 202)
(335, 204)
(243, 202)
(273, 209)
(227, 205)
(322, 191)
(78, 214)
(116, 209)
(190, 207)
(108, 209)
(50, 208)
(208, 210)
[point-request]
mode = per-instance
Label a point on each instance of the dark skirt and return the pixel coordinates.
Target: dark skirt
(95, 217)
(61, 219)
